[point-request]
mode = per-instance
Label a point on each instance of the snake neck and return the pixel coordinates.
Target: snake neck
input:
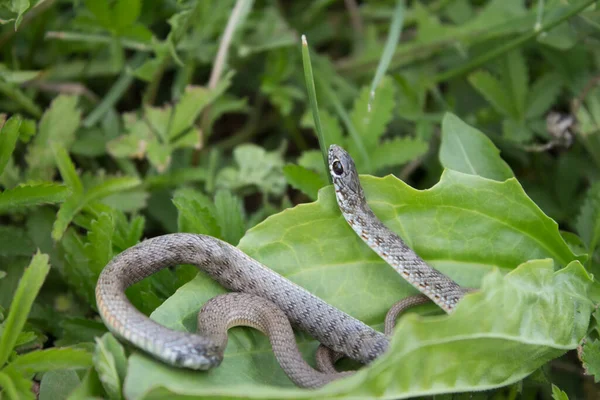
(391, 248)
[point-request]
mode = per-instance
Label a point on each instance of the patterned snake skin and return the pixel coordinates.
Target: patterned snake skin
(237, 272)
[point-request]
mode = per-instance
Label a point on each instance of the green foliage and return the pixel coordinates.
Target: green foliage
(111, 364)
(160, 131)
(558, 394)
(15, 377)
(591, 359)
(520, 104)
(467, 150)
(126, 119)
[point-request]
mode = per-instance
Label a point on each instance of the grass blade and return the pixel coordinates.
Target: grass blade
(312, 99)
(28, 288)
(9, 133)
(389, 49)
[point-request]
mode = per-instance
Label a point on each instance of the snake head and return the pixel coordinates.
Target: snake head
(344, 175)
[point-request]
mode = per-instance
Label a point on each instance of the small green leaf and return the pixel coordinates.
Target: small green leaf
(192, 102)
(371, 120)
(51, 360)
(127, 233)
(256, 167)
(494, 92)
(303, 179)
(591, 359)
(19, 7)
(397, 151)
(124, 14)
(543, 94)
(110, 363)
(57, 385)
(67, 211)
(9, 133)
(29, 285)
(15, 384)
(99, 246)
(466, 149)
(67, 170)
(229, 212)
(31, 195)
(558, 394)
(111, 186)
(588, 221)
(58, 127)
(196, 213)
(517, 77)
(516, 131)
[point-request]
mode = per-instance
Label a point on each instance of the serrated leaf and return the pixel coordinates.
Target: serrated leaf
(57, 126)
(192, 102)
(558, 394)
(159, 155)
(29, 285)
(303, 179)
(466, 149)
(51, 360)
(494, 92)
(31, 195)
(517, 77)
(224, 104)
(111, 186)
(67, 170)
(591, 359)
(370, 122)
(9, 133)
(229, 212)
(397, 151)
(543, 94)
(110, 362)
(255, 167)
(99, 244)
(127, 233)
(461, 227)
(196, 213)
(67, 211)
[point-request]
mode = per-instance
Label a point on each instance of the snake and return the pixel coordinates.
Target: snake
(262, 298)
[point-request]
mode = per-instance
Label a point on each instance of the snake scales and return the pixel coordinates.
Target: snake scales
(265, 300)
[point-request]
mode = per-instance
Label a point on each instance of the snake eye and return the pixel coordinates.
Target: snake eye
(337, 167)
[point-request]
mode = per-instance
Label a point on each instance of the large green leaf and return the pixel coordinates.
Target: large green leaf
(461, 227)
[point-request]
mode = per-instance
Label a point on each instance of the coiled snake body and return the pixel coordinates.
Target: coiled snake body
(265, 300)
